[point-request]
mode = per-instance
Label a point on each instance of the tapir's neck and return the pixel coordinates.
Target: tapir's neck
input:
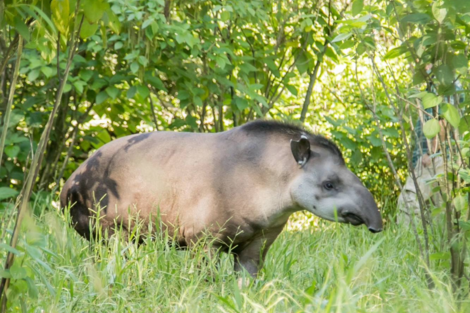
(278, 169)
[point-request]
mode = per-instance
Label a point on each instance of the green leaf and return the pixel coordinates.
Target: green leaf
(460, 63)
(292, 90)
(101, 97)
(419, 18)
(465, 174)
(98, 84)
(418, 95)
(247, 68)
(332, 121)
(134, 67)
(272, 66)
(342, 37)
(143, 91)
(112, 21)
(12, 151)
(198, 101)
(60, 15)
(225, 16)
(85, 75)
(118, 45)
(394, 53)
(430, 100)
(7, 192)
(451, 114)
(146, 23)
(67, 87)
(5, 273)
(241, 103)
(444, 75)
(21, 28)
(32, 289)
(104, 136)
(94, 9)
(78, 85)
(155, 82)
(33, 75)
(439, 13)
(131, 92)
(460, 202)
(431, 128)
(47, 71)
(88, 29)
(112, 91)
(4, 246)
(418, 78)
(357, 7)
(143, 60)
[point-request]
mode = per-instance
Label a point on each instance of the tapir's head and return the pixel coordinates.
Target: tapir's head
(327, 188)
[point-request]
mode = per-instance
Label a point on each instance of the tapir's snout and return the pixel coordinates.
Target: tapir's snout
(366, 212)
(373, 218)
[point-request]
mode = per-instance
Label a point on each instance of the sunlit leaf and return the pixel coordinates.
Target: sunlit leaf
(88, 29)
(393, 53)
(342, 37)
(438, 12)
(61, 15)
(357, 7)
(451, 114)
(430, 100)
(431, 128)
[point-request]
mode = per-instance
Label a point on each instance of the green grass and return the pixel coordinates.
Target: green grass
(314, 266)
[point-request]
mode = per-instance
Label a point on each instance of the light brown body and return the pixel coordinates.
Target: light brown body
(236, 184)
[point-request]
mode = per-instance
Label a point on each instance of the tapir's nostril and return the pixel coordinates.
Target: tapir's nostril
(373, 230)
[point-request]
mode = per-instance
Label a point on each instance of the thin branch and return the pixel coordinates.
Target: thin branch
(152, 108)
(313, 75)
(6, 120)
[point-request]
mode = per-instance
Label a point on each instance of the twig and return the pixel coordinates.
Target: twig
(6, 120)
(152, 108)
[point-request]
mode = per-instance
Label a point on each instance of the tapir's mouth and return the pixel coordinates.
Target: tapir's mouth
(353, 219)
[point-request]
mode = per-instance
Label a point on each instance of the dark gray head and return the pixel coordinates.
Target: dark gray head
(327, 188)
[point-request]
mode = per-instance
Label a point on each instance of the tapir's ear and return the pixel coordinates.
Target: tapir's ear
(301, 150)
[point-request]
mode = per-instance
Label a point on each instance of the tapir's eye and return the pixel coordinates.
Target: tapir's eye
(328, 185)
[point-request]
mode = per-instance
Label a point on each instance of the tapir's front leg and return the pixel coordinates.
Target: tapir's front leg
(250, 257)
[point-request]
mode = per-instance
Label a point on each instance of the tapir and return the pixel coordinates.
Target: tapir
(239, 185)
